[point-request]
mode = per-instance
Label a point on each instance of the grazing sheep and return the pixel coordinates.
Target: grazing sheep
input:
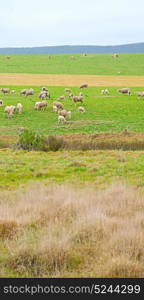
(10, 110)
(140, 94)
(5, 90)
(1, 102)
(19, 108)
(115, 55)
(7, 109)
(13, 108)
(65, 113)
(37, 105)
(125, 91)
(13, 92)
(44, 89)
(83, 86)
(44, 104)
(59, 105)
(55, 109)
(61, 119)
(106, 92)
(41, 104)
(71, 96)
(78, 99)
(81, 109)
(22, 92)
(67, 90)
(29, 92)
(61, 98)
(44, 95)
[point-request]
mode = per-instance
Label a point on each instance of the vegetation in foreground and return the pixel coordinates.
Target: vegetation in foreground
(93, 64)
(19, 167)
(64, 231)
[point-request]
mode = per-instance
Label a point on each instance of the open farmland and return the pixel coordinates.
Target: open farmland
(99, 64)
(63, 213)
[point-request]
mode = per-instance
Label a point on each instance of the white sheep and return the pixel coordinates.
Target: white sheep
(67, 90)
(13, 92)
(7, 109)
(71, 96)
(59, 105)
(10, 110)
(40, 104)
(65, 113)
(37, 105)
(61, 119)
(81, 109)
(106, 92)
(61, 98)
(19, 108)
(44, 104)
(55, 109)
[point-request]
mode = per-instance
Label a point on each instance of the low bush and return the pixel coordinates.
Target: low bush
(30, 140)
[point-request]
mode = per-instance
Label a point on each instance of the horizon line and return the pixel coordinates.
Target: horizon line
(72, 45)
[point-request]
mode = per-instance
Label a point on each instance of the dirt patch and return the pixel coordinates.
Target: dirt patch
(87, 122)
(103, 135)
(70, 80)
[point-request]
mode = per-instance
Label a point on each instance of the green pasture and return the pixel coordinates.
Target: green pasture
(112, 114)
(94, 64)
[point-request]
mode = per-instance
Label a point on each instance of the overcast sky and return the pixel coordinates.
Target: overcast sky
(69, 22)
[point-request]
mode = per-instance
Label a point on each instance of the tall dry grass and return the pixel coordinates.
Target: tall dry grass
(64, 231)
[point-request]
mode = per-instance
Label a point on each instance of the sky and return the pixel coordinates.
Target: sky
(29, 23)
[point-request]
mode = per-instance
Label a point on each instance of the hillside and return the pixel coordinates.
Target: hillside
(128, 48)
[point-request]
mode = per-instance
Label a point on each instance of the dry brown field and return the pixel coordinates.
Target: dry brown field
(70, 80)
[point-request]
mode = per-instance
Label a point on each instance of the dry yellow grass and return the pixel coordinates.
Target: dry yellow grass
(63, 231)
(70, 80)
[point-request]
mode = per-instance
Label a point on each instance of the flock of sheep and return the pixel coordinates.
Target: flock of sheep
(58, 107)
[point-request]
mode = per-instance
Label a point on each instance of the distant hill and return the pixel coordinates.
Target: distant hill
(129, 48)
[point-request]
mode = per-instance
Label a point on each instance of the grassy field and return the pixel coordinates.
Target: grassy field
(65, 213)
(78, 167)
(127, 64)
(113, 113)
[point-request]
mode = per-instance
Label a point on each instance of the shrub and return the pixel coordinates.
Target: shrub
(29, 140)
